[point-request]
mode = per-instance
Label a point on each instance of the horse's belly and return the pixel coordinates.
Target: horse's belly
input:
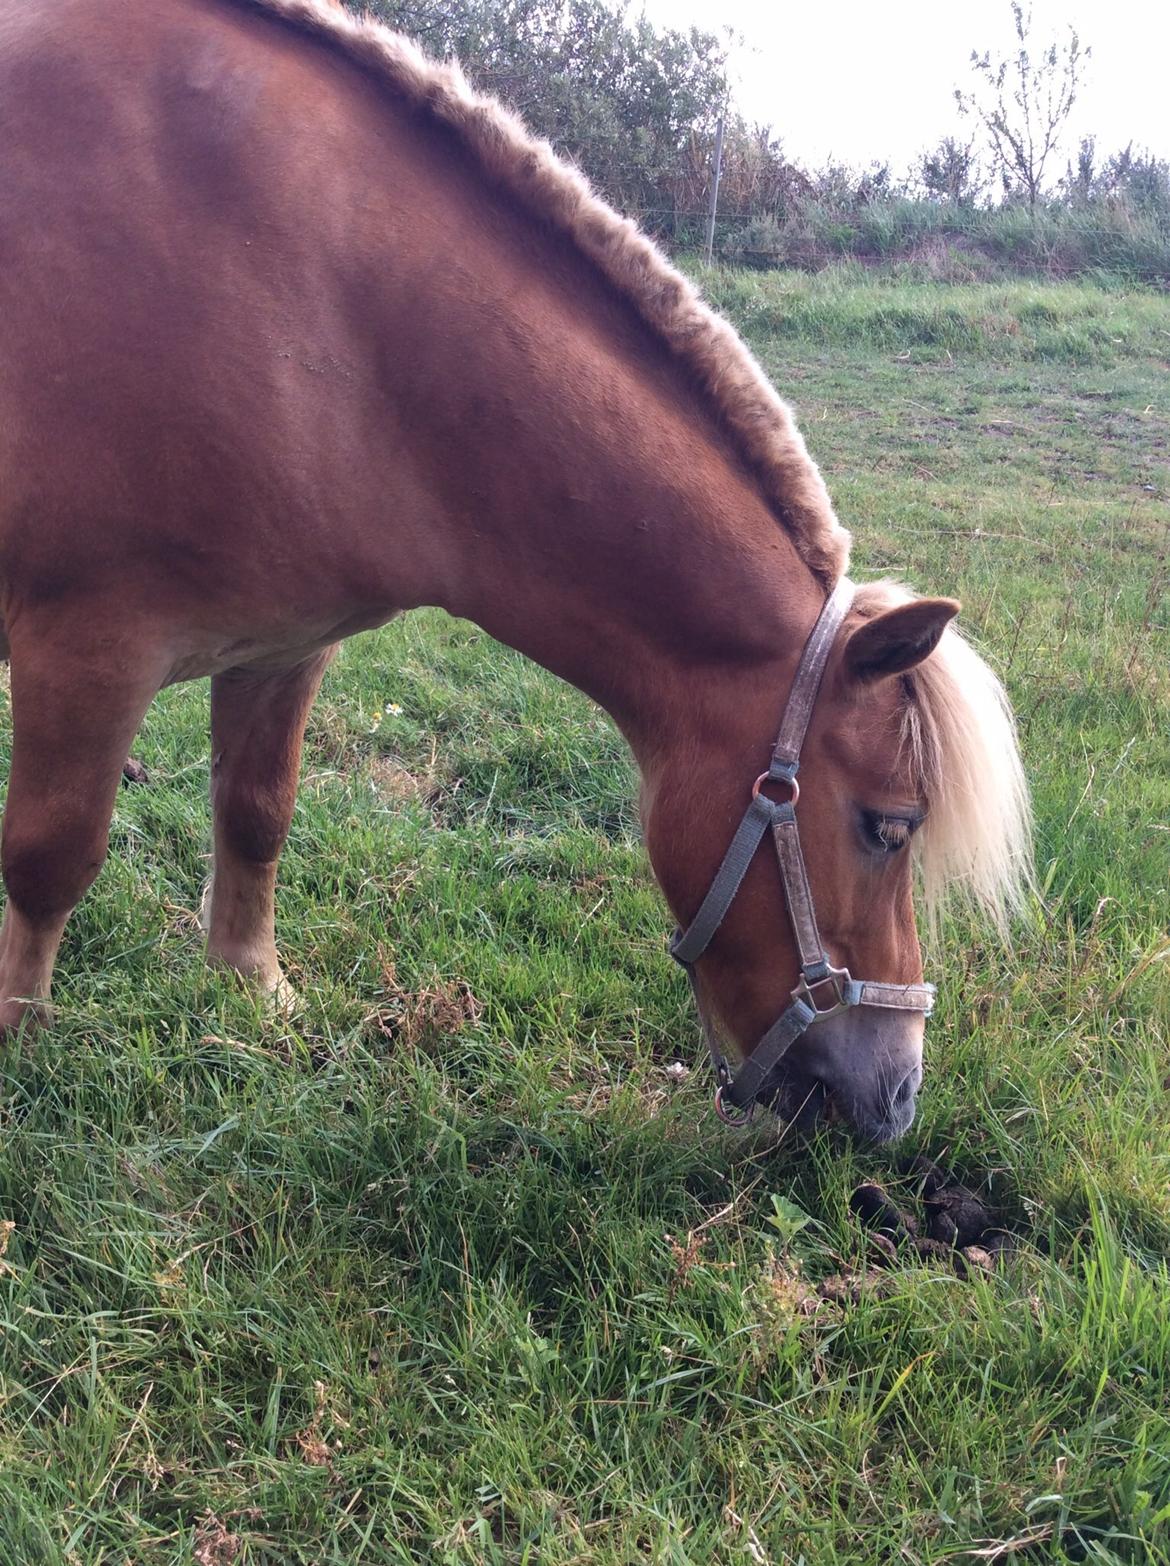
(208, 658)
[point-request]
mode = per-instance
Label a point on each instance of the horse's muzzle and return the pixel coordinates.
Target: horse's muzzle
(862, 1066)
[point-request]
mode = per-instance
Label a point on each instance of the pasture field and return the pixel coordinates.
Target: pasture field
(448, 1267)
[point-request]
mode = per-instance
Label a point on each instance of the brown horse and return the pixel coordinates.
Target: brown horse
(300, 333)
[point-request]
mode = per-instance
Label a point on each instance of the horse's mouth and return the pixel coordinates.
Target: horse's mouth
(806, 1105)
(801, 1102)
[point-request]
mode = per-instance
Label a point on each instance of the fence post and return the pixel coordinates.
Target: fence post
(715, 189)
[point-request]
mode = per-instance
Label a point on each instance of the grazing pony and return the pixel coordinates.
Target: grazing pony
(299, 333)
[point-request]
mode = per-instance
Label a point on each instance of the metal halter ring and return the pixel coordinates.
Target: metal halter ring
(730, 1116)
(766, 777)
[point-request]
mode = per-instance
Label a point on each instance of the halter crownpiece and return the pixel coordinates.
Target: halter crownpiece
(822, 990)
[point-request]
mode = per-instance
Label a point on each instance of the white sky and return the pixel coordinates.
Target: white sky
(863, 81)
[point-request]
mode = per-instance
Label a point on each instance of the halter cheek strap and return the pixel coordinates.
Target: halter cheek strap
(822, 990)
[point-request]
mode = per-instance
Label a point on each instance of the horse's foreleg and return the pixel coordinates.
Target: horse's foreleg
(75, 711)
(257, 726)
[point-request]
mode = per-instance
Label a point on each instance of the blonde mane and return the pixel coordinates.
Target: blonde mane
(557, 194)
(975, 842)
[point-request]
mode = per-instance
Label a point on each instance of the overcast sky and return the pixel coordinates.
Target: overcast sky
(862, 82)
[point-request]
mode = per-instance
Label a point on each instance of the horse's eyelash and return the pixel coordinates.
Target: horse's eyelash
(892, 832)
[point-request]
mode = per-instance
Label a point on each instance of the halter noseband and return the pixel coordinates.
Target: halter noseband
(821, 990)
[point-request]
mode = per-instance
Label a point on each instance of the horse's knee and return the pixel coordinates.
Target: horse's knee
(252, 821)
(48, 865)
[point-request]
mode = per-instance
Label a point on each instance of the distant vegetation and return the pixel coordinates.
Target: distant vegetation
(636, 107)
(1109, 233)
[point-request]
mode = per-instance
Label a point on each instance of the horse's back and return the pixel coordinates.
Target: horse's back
(276, 333)
(182, 382)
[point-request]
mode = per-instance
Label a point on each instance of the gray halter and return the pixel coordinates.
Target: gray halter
(821, 990)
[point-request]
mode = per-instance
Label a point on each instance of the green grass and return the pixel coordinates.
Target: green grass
(410, 1278)
(896, 308)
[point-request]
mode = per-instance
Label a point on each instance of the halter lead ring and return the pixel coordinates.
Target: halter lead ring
(822, 990)
(766, 777)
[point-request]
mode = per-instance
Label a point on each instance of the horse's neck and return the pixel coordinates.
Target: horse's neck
(517, 444)
(595, 516)
(641, 569)
(548, 467)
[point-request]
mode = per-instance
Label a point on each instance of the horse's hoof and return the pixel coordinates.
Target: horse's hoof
(281, 998)
(263, 976)
(23, 1016)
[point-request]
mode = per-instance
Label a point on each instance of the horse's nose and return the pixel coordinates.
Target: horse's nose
(870, 1061)
(889, 1115)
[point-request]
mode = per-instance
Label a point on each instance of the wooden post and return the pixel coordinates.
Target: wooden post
(715, 189)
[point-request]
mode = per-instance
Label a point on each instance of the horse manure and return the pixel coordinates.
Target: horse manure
(883, 1245)
(877, 1210)
(927, 1175)
(939, 1250)
(960, 1228)
(977, 1256)
(956, 1216)
(134, 772)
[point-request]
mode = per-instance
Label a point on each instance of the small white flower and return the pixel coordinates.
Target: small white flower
(393, 710)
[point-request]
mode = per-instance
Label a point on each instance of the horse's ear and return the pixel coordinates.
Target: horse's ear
(895, 641)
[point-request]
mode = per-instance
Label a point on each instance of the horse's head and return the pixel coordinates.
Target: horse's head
(908, 773)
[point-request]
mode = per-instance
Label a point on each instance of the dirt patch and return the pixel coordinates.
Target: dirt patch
(422, 1018)
(215, 1544)
(311, 1443)
(394, 783)
(391, 780)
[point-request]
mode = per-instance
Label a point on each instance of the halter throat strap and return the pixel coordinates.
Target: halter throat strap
(822, 990)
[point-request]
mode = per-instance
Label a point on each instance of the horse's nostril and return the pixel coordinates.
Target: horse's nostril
(907, 1088)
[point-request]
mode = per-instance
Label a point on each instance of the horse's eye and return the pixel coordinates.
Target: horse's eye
(888, 834)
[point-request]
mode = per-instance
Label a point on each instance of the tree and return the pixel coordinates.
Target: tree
(1080, 182)
(1023, 102)
(950, 173)
(1140, 179)
(612, 92)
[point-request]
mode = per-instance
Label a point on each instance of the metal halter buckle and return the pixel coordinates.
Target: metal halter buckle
(838, 978)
